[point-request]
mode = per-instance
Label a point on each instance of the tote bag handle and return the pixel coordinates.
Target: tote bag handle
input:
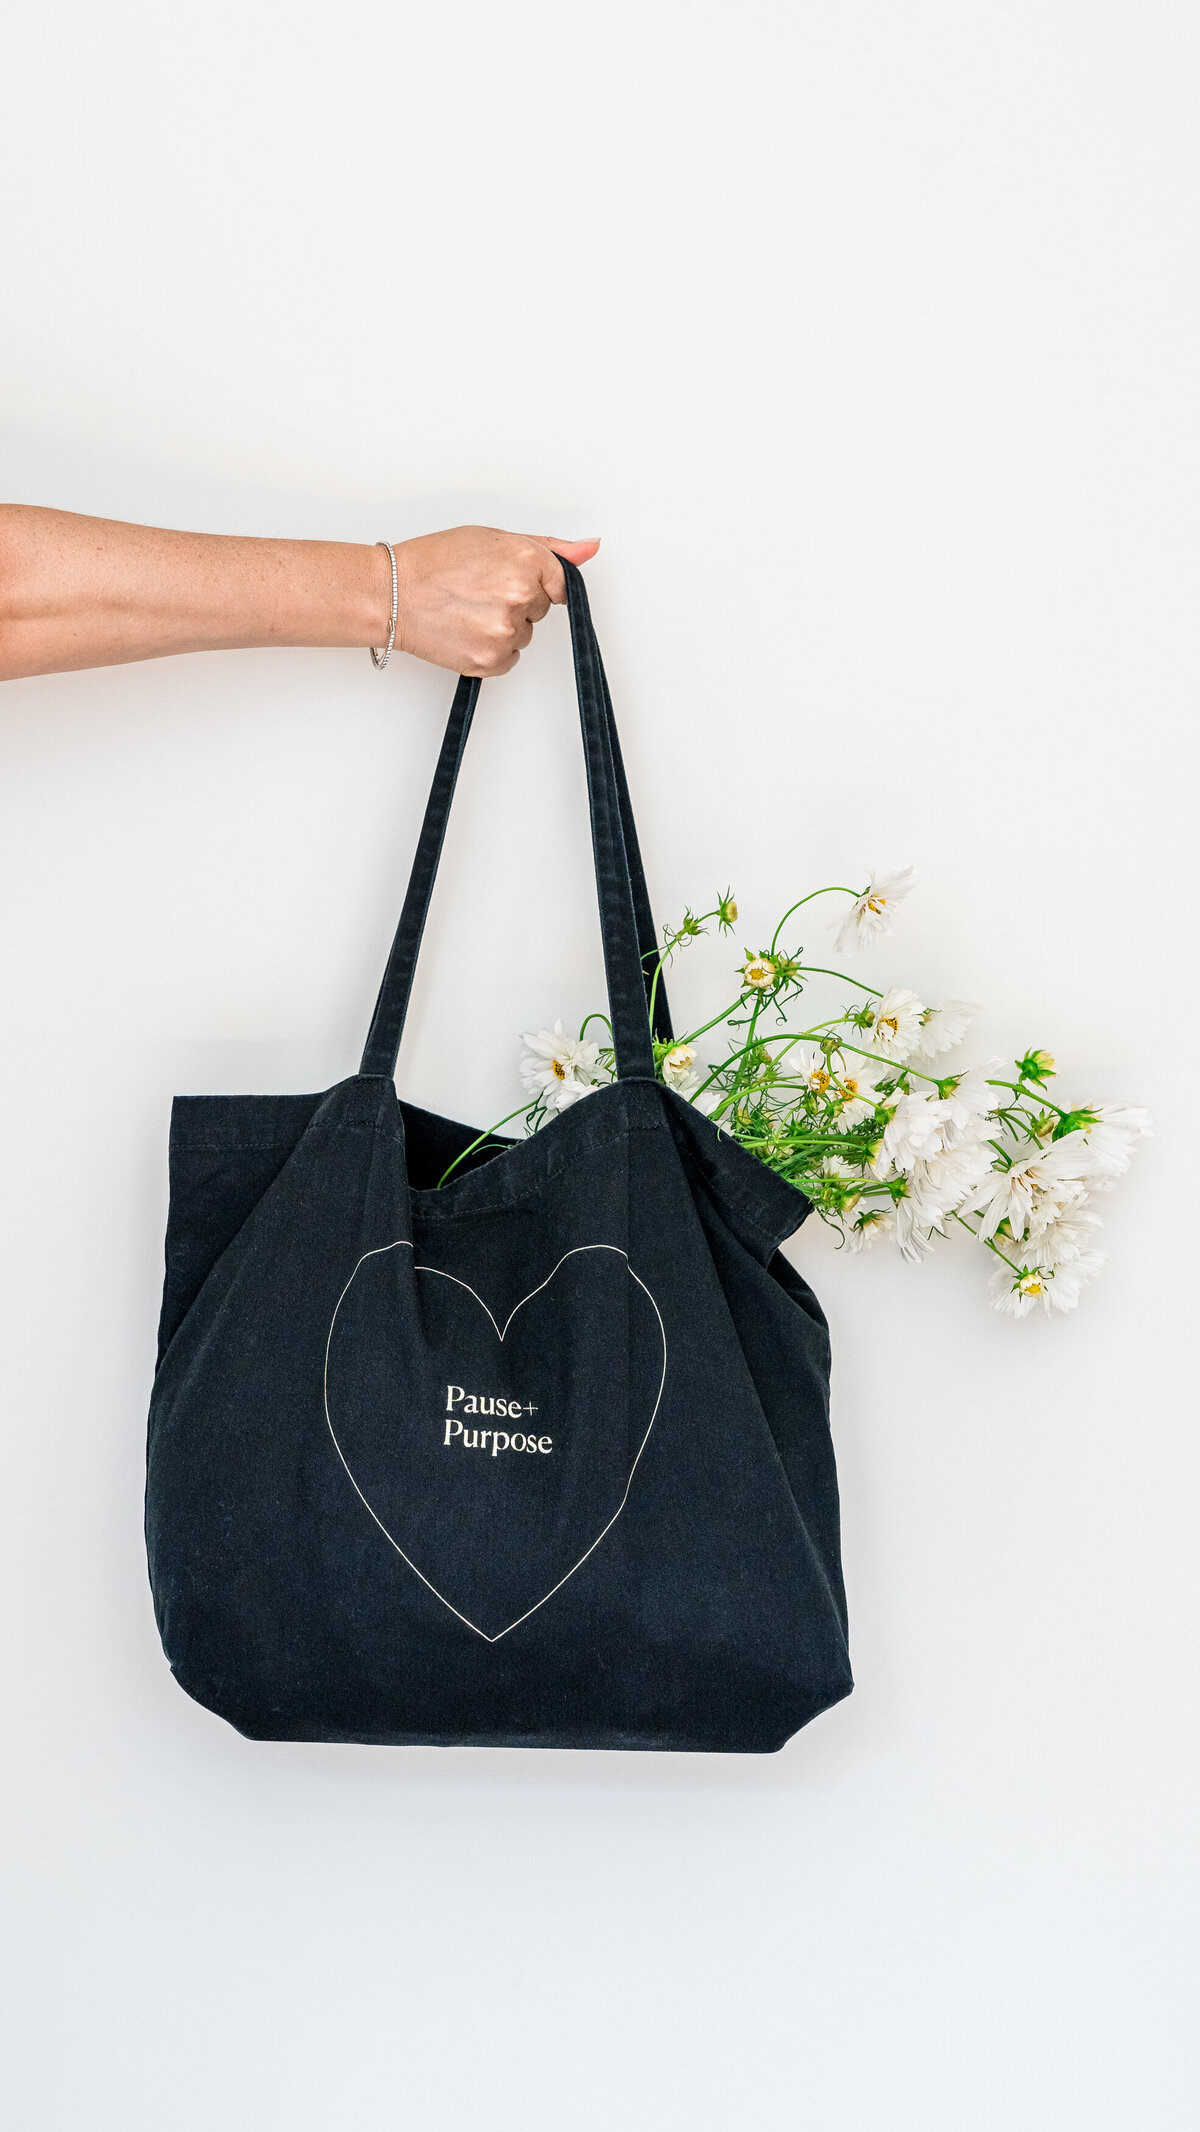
(626, 921)
(648, 941)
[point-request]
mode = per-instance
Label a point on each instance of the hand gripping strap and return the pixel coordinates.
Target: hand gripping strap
(627, 924)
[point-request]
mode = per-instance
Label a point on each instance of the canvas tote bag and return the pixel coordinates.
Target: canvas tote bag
(540, 1458)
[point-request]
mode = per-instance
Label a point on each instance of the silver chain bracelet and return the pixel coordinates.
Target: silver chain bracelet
(380, 658)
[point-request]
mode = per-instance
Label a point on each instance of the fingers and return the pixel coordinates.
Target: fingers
(471, 597)
(576, 551)
(491, 668)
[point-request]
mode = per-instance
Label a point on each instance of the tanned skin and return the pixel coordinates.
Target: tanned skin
(78, 592)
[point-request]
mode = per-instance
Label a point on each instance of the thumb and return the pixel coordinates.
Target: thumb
(575, 551)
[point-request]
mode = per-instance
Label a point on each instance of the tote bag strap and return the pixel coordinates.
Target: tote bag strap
(648, 940)
(627, 925)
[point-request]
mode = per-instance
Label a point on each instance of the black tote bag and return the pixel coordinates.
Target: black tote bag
(537, 1459)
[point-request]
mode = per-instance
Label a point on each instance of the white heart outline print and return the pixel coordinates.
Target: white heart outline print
(402, 1244)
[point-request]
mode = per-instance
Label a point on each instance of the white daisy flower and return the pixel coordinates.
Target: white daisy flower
(915, 1129)
(1016, 1291)
(947, 1179)
(559, 1068)
(1069, 1238)
(1019, 1290)
(866, 1227)
(680, 1071)
(970, 1104)
(1112, 1139)
(915, 1226)
(895, 1023)
(943, 1161)
(1071, 1279)
(943, 1027)
(857, 1083)
(1042, 1185)
(816, 1071)
(757, 973)
(870, 916)
(848, 1174)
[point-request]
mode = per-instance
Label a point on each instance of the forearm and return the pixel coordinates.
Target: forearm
(78, 592)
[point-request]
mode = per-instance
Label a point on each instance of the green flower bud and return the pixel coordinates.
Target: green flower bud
(1036, 1066)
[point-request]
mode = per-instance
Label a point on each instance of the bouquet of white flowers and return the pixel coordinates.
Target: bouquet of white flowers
(865, 1112)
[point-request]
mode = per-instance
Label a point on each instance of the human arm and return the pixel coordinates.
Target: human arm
(78, 592)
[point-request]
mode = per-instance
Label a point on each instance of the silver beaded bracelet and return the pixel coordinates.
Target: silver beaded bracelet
(380, 658)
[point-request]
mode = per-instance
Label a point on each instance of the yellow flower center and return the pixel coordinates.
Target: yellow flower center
(876, 903)
(558, 1069)
(819, 1079)
(849, 1088)
(1033, 1284)
(888, 1021)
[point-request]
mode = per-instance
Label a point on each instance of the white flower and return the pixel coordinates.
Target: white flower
(915, 1226)
(680, 1071)
(816, 1071)
(873, 1222)
(857, 1083)
(943, 1027)
(895, 1023)
(1041, 1186)
(1069, 1281)
(1069, 1238)
(970, 1104)
(559, 1068)
(939, 1146)
(870, 915)
(837, 1166)
(1017, 1290)
(757, 973)
(933, 1190)
(1112, 1139)
(915, 1129)
(947, 1179)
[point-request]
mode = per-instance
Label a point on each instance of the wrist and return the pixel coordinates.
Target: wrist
(335, 593)
(404, 602)
(376, 610)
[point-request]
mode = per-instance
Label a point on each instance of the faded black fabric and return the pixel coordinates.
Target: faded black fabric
(538, 1458)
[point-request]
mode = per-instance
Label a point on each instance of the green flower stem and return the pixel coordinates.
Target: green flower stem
(989, 1242)
(521, 1110)
(747, 1048)
(806, 1036)
(896, 1066)
(782, 1037)
(803, 1143)
(834, 1022)
(855, 892)
(798, 1036)
(814, 969)
(668, 948)
(596, 1017)
(1030, 1094)
(724, 1016)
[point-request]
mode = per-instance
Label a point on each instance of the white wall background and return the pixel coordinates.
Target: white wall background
(867, 338)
